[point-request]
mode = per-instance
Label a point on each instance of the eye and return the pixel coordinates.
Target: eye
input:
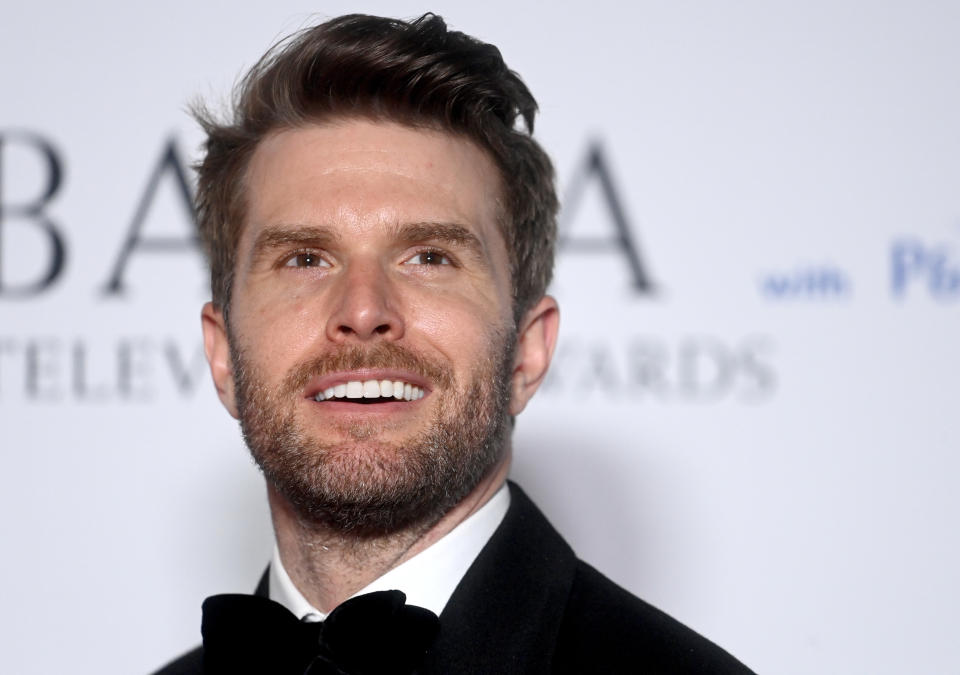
(306, 259)
(429, 257)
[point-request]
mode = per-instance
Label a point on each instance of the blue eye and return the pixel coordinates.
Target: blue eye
(306, 260)
(429, 258)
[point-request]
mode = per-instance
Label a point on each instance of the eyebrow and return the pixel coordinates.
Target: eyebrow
(450, 233)
(320, 236)
(284, 236)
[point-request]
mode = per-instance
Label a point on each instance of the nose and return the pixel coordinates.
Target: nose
(365, 306)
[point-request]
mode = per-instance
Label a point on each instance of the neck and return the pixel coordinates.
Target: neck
(328, 567)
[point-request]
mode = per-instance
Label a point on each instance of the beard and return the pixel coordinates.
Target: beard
(363, 486)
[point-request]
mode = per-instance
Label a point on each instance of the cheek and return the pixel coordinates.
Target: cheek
(460, 329)
(277, 332)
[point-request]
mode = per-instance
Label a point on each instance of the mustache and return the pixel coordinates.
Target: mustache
(355, 357)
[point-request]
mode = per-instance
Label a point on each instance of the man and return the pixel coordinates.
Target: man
(380, 226)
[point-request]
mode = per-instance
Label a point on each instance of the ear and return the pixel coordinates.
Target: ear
(535, 342)
(217, 348)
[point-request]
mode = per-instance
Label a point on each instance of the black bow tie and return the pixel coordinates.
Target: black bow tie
(371, 634)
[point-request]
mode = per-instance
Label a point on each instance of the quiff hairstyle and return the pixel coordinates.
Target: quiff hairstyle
(417, 73)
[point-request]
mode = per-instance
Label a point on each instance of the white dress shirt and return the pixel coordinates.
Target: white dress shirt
(428, 579)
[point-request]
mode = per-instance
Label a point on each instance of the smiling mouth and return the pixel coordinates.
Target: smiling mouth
(371, 391)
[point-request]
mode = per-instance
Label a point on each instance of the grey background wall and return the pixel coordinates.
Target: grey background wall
(752, 419)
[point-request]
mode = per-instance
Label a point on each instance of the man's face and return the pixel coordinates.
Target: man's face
(371, 264)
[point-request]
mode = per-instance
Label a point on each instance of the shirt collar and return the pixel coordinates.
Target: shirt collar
(428, 579)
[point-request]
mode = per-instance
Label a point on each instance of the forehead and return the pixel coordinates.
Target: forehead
(360, 175)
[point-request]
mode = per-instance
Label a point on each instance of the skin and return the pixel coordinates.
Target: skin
(362, 231)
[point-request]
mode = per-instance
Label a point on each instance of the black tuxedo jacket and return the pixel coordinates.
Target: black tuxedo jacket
(527, 605)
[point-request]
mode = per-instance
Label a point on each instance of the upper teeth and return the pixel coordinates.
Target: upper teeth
(372, 389)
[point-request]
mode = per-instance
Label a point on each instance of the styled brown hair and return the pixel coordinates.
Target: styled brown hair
(417, 73)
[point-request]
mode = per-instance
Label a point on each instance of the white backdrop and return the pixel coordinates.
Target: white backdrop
(752, 421)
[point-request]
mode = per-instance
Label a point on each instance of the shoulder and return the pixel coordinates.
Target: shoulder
(190, 663)
(575, 619)
(607, 629)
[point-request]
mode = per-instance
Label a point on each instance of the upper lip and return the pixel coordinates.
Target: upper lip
(320, 383)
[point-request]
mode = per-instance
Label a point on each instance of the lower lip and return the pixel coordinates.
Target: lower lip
(347, 406)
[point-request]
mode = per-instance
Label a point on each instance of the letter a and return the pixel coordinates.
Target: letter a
(169, 162)
(595, 167)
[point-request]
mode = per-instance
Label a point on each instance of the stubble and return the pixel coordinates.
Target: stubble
(363, 486)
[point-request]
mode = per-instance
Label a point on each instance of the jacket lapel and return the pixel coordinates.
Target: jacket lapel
(263, 587)
(505, 615)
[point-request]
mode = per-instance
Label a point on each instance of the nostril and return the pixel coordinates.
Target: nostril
(362, 321)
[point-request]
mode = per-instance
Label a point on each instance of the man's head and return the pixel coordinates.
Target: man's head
(375, 222)
(417, 73)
